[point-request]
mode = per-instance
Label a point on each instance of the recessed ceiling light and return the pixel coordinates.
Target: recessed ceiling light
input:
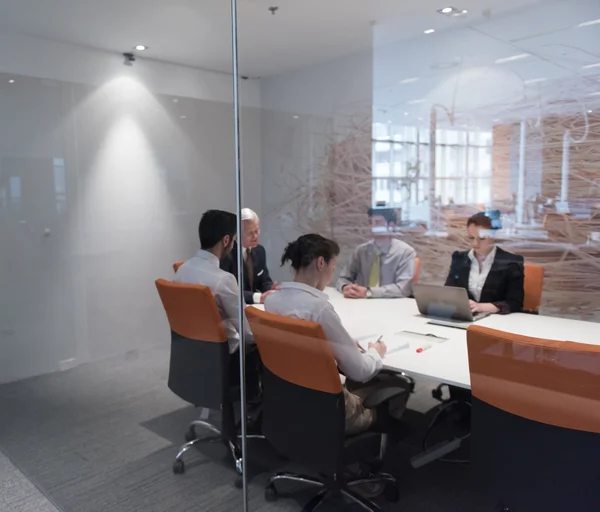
(590, 66)
(416, 102)
(183, 117)
(11, 81)
(175, 100)
(452, 11)
(589, 23)
(429, 31)
(141, 47)
(512, 58)
(535, 80)
(590, 111)
(420, 118)
(405, 113)
(296, 117)
(409, 80)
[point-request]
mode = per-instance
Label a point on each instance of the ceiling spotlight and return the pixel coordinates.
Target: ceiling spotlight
(11, 81)
(183, 117)
(590, 111)
(429, 31)
(512, 58)
(405, 113)
(141, 47)
(452, 11)
(175, 100)
(296, 117)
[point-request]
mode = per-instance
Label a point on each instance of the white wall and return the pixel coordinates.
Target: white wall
(303, 111)
(104, 173)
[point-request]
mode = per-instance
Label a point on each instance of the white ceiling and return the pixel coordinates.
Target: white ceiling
(551, 80)
(197, 32)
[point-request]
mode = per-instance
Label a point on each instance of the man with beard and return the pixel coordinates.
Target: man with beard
(217, 231)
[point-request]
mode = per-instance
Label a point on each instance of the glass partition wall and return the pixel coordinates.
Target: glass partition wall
(117, 133)
(436, 112)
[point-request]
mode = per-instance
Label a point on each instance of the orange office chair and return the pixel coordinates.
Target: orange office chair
(417, 270)
(535, 420)
(177, 265)
(304, 409)
(533, 285)
(199, 365)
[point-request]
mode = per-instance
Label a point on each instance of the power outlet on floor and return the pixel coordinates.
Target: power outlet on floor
(67, 364)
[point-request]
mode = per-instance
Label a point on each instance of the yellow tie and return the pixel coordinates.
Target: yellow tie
(375, 272)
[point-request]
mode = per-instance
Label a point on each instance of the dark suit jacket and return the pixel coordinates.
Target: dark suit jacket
(262, 279)
(504, 284)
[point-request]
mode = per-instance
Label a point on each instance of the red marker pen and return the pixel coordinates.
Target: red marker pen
(424, 348)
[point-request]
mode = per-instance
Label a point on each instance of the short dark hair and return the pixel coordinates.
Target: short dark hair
(307, 249)
(481, 220)
(389, 214)
(214, 226)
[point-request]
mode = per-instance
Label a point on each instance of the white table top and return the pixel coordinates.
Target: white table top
(447, 361)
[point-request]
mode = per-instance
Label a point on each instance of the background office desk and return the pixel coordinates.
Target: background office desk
(448, 361)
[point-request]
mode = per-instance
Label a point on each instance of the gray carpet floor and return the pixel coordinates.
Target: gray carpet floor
(102, 438)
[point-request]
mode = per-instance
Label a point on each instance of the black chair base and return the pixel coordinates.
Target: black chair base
(327, 489)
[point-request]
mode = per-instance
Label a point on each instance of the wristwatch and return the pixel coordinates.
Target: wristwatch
(369, 293)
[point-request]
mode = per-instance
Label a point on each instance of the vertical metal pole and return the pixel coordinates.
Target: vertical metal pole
(520, 206)
(240, 262)
(433, 211)
(564, 175)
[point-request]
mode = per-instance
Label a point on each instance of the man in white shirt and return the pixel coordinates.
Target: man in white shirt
(217, 231)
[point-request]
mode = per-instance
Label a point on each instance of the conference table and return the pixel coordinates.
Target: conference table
(446, 360)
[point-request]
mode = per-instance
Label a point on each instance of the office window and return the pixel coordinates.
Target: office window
(401, 179)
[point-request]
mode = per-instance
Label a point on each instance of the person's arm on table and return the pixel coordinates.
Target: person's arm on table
(403, 278)
(515, 294)
(349, 272)
(360, 367)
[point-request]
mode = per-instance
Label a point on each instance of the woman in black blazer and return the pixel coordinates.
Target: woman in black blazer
(492, 277)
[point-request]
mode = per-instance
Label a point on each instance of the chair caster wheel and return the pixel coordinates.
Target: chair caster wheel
(238, 483)
(391, 493)
(190, 435)
(179, 467)
(270, 493)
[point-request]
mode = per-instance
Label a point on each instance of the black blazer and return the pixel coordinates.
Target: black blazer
(504, 284)
(262, 279)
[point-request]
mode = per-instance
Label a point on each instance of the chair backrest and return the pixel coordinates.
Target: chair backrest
(198, 371)
(303, 402)
(533, 286)
(535, 420)
(417, 270)
(177, 265)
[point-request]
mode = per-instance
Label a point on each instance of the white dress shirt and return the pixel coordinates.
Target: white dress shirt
(477, 275)
(256, 296)
(204, 269)
(304, 302)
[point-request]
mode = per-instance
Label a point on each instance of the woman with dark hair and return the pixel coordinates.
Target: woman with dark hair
(492, 277)
(313, 259)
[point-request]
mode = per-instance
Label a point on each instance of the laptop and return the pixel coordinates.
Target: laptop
(445, 305)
